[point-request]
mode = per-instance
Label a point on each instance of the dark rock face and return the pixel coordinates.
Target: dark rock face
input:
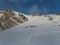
(8, 19)
(23, 17)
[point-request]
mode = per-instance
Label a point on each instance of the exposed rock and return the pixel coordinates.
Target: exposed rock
(9, 19)
(23, 17)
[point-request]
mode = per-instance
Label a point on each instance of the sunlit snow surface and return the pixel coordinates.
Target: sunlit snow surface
(37, 31)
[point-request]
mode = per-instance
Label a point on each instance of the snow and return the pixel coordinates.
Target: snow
(38, 30)
(1, 15)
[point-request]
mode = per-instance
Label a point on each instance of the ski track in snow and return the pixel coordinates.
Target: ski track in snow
(37, 31)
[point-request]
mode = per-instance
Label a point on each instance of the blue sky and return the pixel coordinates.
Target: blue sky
(31, 6)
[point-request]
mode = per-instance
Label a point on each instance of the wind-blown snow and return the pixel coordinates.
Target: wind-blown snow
(39, 30)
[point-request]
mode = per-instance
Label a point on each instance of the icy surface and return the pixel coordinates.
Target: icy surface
(37, 31)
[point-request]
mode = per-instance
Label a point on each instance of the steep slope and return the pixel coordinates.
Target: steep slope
(10, 19)
(38, 30)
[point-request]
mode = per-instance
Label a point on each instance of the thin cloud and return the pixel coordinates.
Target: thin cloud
(34, 9)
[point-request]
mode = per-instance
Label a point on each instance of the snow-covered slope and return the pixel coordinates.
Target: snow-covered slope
(38, 30)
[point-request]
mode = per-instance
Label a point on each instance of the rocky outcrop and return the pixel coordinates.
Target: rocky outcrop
(9, 19)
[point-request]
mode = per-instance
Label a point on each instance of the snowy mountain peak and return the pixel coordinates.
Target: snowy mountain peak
(37, 29)
(10, 18)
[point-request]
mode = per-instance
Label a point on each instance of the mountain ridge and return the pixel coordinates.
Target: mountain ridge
(9, 19)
